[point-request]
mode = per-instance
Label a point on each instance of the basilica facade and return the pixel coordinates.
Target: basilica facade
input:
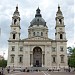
(38, 50)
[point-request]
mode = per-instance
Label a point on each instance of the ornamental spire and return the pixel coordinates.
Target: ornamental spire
(38, 13)
(16, 11)
(17, 7)
(59, 10)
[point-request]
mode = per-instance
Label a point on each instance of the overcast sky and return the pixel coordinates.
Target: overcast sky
(27, 9)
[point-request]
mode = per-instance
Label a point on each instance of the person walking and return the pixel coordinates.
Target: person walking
(8, 69)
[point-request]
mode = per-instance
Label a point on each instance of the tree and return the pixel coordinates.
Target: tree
(71, 58)
(3, 63)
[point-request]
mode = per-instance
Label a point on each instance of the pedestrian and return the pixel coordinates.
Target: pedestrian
(8, 69)
(69, 69)
(2, 71)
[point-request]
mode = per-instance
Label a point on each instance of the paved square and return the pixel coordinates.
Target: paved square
(43, 73)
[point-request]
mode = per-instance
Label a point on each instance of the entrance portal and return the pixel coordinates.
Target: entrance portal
(37, 62)
(37, 57)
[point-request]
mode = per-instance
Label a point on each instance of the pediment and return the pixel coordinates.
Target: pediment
(37, 39)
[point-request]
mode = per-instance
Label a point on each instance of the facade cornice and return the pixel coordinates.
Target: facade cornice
(59, 40)
(15, 26)
(60, 25)
(37, 40)
(15, 41)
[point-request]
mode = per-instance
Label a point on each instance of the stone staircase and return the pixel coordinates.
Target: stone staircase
(37, 68)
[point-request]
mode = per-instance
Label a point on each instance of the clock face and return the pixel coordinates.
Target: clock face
(60, 28)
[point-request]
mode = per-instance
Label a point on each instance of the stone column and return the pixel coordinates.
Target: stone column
(42, 60)
(31, 60)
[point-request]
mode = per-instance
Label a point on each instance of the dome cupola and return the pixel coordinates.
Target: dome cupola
(38, 20)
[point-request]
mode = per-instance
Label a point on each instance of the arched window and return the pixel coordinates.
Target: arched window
(13, 36)
(53, 58)
(21, 48)
(37, 33)
(62, 58)
(33, 33)
(20, 58)
(12, 58)
(13, 48)
(61, 36)
(37, 19)
(41, 33)
(61, 48)
(15, 21)
(60, 21)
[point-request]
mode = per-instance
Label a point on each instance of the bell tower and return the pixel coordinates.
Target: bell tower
(60, 27)
(15, 26)
(61, 41)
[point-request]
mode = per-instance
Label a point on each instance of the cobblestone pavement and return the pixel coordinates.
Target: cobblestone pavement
(42, 73)
(61, 73)
(28, 73)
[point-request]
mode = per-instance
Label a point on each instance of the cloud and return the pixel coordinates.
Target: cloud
(27, 9)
